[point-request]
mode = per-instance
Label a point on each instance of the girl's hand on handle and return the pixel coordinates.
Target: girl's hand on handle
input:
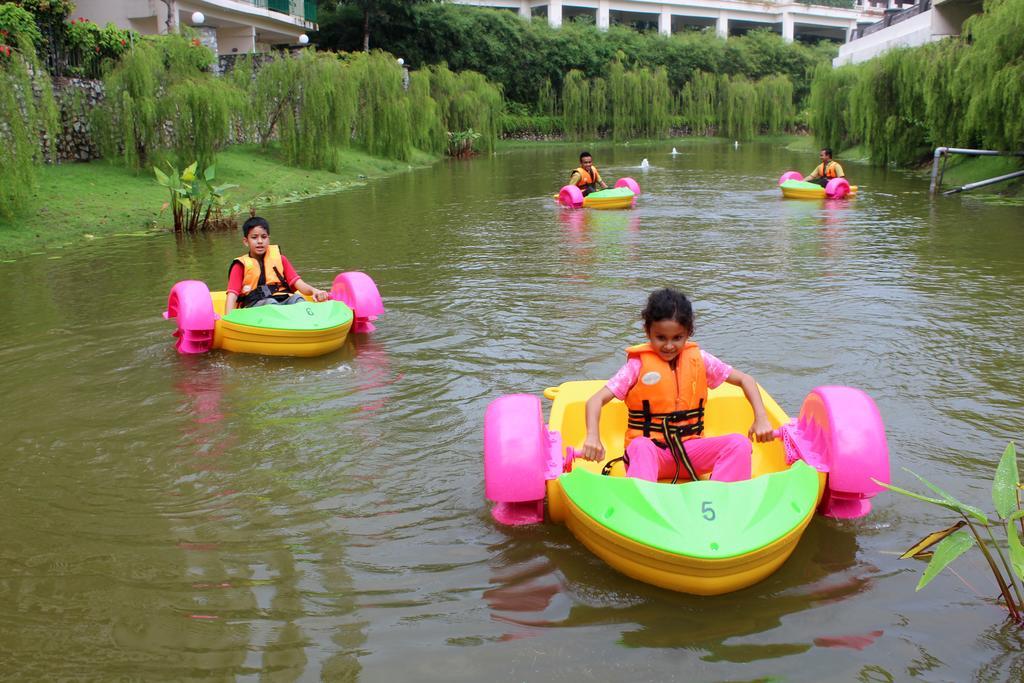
(761, 430)
(592, 449)
(319, 295)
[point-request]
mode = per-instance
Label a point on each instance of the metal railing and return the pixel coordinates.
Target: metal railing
(943, 152)
(892, 17)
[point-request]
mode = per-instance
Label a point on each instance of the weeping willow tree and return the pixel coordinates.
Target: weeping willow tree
(966, 91)
(599, 105)
(27, 111)
(625, 102)
(428, 133)
(774, 103)
(887, 107)
(384, 127)
(576, 106)
(201, 110)
(468, 101)
(829, 103)
(547, 102)
(699, 100)
(130, 123)
(739, 108)
(992, 70)
(639, 101)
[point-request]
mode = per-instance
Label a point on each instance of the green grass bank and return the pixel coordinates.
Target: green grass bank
(76, 202)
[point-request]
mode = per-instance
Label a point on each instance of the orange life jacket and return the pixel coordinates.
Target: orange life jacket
(587, 179)
(272, 270)
(667, 404)
(828, 171)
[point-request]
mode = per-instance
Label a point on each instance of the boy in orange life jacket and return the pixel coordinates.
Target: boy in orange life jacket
(826, 170)
(664, 384)
(587, 177)
(264, 275)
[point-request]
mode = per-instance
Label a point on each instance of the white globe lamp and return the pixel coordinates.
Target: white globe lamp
(401, 61)
(303, 39)
(198, 17)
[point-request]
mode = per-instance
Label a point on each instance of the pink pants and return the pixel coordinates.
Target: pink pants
(727, 457)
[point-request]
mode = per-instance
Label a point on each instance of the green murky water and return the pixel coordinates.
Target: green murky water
(248, 518)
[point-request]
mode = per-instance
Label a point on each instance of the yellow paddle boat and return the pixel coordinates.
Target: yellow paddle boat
(622, 196)
(304, 329)
(793, 186)
(700, 537)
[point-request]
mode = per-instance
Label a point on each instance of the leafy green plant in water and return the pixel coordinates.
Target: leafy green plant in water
(195, 202)
(956, 540)
(460, 143)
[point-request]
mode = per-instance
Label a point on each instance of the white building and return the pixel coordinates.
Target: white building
(792, 20)
(228, 26)
(925, 22)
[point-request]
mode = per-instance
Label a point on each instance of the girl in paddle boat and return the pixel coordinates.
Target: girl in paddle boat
(664, 384)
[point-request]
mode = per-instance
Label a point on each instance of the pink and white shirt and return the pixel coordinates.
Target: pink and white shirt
(623, 380)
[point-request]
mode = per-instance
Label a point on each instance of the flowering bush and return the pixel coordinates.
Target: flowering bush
(96, 46)
(17, 26)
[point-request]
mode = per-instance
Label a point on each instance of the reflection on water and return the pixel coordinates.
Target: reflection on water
(238, 517)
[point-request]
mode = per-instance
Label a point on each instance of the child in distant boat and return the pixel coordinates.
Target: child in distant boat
(264, 275)
(664, 384)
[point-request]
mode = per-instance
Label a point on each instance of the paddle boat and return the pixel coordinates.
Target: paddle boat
(622, 196)
(304, 329)
(700, 537)
(793, 187)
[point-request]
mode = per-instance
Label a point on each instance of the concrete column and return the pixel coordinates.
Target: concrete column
(524, 9)
(787, 27)
(665, 23)
(603, 20)
(555, 13)
(722, 24)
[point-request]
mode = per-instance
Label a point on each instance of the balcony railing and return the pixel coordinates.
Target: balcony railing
(297, 8)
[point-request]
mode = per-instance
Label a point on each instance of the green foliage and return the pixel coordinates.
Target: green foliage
(18, 27)
(699, 101)
(774, 103)
(460, 143)
(955, 540)
(467, 101)
(547, 101)
(738, 105)
(195, 202)
(201, 110)
(27, 109)
(963, 92)
(428, 131)
(97, 49)
(522, 56)
(157, 81)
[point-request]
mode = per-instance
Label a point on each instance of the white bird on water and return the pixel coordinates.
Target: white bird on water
(736, 144)
(644, 165)
(674, 152)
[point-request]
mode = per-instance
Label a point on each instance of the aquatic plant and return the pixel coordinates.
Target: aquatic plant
(954, 541)
(195, 202)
